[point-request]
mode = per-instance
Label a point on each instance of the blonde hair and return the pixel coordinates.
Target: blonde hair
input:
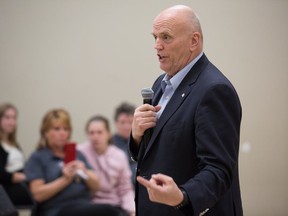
(49, 120)
(12, 136)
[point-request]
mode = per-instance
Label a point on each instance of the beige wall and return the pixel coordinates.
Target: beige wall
(88, 56)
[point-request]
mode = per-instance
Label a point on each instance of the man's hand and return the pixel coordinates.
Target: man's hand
(162, 189)
(144, 118)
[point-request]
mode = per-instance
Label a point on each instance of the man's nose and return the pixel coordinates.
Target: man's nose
(158, 45)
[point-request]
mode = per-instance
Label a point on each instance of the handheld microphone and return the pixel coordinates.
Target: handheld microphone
(147, 94)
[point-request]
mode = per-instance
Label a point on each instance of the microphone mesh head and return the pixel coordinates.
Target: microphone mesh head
(147, 93)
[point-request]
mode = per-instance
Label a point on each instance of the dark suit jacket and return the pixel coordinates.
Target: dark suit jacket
(18, 193)
(5, 177)
(196, 142)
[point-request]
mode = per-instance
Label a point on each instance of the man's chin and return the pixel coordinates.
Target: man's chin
(163, 67)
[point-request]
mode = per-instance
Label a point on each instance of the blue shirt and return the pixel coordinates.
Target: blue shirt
(44, 165)
(170, 84)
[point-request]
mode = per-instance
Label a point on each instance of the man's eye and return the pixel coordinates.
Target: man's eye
(166, 37)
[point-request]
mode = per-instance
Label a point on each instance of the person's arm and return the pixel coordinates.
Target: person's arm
(125, 188)
(162, 189)
(43, 191)
(133, 149)
(143, 119)
(217, 138)
(5, 177)
(18, 177)
(10, 178)
(91, 179)
(217, 124)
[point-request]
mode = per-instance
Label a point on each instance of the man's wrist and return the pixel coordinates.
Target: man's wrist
(136, 138)
(185, 200)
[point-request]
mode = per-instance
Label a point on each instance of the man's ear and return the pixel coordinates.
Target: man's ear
(195, 41)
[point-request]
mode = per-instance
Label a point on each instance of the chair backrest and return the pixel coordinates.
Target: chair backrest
(6, 206)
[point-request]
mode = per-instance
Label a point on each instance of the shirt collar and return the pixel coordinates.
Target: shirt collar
(178, 77)
(50, 154)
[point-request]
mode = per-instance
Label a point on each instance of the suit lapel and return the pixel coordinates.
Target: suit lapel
(177, 99)
(157, 90)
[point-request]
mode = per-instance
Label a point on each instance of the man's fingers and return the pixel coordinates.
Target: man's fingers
(156, 179)
(161, 179)
(145, 107)
(157, 108)
(143, 182)
(148, 184)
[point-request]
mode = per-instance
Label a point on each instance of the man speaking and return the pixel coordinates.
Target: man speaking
(188, 162)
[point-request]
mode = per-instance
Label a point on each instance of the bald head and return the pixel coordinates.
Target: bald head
(184, 16)
(178, 38)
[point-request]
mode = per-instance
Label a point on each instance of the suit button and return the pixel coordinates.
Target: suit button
(137, 172)
(146, 177)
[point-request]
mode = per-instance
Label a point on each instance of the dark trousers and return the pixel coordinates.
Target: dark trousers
(19, 194)
(90, 209)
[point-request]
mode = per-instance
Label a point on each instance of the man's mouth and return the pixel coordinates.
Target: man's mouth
(161, 57)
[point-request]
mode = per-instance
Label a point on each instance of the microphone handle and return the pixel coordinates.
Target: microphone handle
(148, 132)
(146, 136)
(143, 145)
(147, 101)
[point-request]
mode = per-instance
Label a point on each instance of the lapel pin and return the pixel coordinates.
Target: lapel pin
(183, 95)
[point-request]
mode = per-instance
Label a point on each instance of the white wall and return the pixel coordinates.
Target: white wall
(88, 56)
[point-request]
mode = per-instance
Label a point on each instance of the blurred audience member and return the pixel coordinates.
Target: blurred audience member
(123, 120)
(12, 158)
(111, 166)
(58, 188)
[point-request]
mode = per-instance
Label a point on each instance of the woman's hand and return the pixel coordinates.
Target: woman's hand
(80, 165)
(69, 170)
(18, 177)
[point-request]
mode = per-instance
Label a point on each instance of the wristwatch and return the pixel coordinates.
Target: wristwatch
(184, 202)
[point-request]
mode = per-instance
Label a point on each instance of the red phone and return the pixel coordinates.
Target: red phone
(70, 152)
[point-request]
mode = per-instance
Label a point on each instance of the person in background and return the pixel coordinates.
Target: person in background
(12, 159)
(58, 188)
(123, 118)
(111, 165)
(189, 164)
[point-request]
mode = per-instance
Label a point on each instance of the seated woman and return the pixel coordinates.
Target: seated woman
(111, 165)
(55, 186)
(12, 158)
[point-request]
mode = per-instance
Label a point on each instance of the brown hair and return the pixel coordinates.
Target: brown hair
(49, 120)
(12, 136)
(99, 118)
(124, 108)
